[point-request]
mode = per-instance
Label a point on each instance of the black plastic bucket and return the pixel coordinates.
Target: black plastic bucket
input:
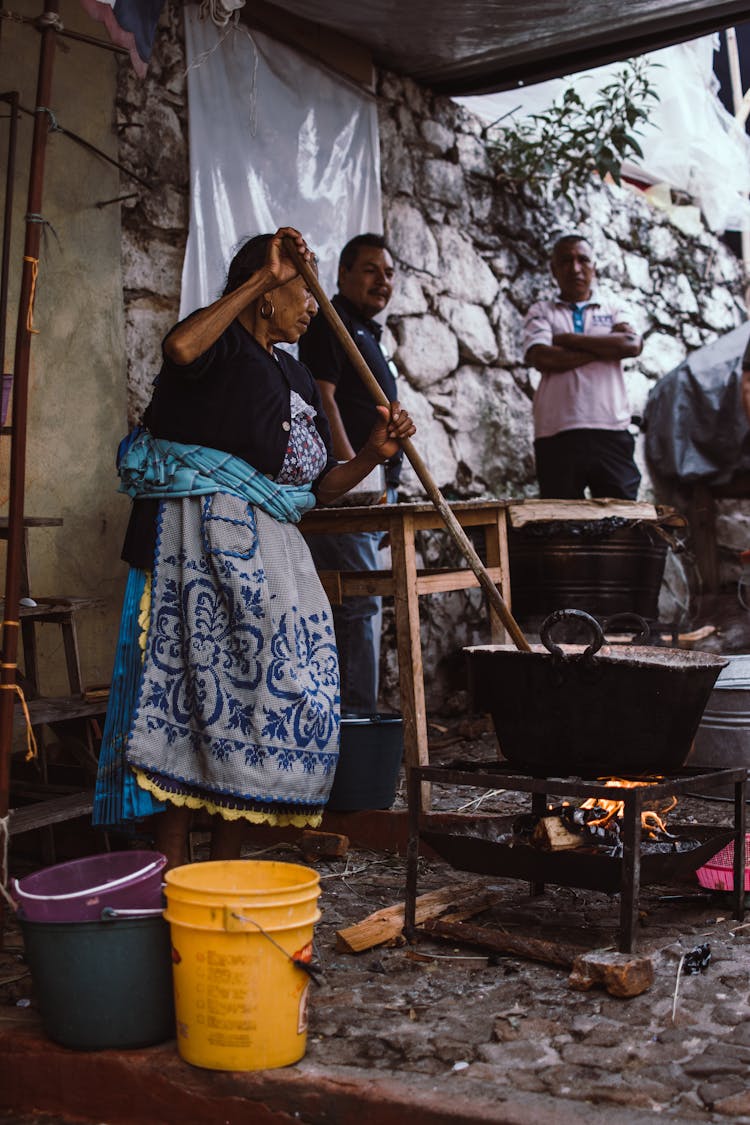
(369, 763)
(102, 984)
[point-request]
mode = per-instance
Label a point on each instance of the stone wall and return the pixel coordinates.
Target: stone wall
(471, 259)
(152, 127)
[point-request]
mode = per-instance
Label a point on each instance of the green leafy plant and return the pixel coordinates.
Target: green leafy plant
(561, 150)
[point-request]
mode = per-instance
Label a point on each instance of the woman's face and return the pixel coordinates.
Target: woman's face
(294, 307)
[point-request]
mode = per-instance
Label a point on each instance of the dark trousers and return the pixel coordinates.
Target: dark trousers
(574, 459)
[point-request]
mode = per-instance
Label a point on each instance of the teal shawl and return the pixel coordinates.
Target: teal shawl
(167, 470)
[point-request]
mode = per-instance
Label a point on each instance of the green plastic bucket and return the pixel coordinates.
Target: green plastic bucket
(102, 984)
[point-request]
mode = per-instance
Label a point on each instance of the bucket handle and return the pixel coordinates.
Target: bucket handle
(85, 892)
(110, 914)
(567, 615)
(311, 968)
(643, 632)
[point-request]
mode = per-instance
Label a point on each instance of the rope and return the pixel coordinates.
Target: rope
(34, 275)
(4, 840)
(51, 19)
(225, 14)
(32, 750)
(54, 127)
(222, 12)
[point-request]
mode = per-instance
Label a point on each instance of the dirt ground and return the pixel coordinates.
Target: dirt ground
(468, 1022)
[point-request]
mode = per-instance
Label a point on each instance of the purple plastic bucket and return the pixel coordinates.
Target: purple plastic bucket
(80, 890)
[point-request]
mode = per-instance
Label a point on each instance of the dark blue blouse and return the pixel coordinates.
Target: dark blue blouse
(236, 398)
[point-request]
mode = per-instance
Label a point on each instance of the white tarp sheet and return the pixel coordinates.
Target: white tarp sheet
(690, 143)
(274, 141)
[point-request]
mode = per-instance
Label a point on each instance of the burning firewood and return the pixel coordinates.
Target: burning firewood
(552, 835)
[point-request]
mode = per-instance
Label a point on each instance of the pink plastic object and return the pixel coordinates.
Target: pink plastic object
(80, 890)
(718, 873)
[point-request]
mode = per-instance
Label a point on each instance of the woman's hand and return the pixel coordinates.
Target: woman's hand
(384, 441)
(278, 260)
(388, 433)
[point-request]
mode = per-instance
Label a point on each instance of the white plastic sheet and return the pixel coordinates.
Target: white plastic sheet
(274, 141)
(690, 143)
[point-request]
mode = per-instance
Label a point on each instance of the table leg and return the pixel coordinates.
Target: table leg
(496, 548)
(630, 880)
(740, 820)
(411, 676)
(413, 790)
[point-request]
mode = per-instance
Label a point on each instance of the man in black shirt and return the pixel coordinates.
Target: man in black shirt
(365, 285)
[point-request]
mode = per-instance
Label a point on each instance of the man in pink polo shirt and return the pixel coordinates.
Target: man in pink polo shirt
(577, 341)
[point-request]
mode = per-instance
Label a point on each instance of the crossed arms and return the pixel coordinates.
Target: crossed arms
(575, 349)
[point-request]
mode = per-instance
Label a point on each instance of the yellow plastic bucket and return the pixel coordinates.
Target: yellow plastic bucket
(237, 927)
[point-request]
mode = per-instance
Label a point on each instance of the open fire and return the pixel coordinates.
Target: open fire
(598, 821)
(599, 813)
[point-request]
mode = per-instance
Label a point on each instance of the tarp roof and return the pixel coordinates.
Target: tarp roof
(478, 46)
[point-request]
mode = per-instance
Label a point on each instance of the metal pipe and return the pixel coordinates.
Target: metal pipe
(20, 402)
(92, 40)
(12, 100)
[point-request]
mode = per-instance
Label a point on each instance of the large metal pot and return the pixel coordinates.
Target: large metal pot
(591, 711)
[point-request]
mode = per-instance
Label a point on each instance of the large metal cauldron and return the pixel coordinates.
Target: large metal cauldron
(592, 712)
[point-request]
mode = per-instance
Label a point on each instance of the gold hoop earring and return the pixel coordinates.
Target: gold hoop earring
(266, 309)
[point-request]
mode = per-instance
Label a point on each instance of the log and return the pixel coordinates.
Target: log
(387, 924)
(622, 974)
(512, 945)
(324, 845)
(551, 835)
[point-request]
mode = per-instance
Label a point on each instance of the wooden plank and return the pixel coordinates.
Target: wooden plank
(31, 521)
(55, 811)
(340, 584)
(54, 709)
(57, 610)
(386, 924)
(333, 521)
(535, 511)
(437, 582)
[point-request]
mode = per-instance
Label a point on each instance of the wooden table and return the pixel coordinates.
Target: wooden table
(406, 584)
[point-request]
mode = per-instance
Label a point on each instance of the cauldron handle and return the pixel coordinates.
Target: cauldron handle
(644, 630)
(567, 615)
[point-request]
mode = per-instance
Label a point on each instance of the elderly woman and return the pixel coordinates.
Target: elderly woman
(225, 691)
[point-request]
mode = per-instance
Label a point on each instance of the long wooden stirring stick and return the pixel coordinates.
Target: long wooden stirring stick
(452, 525)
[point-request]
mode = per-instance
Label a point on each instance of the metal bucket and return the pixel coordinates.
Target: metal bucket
(603, 574)
(575, 710)
(723, 737)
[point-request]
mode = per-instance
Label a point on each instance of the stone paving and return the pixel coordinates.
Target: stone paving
(515, 1026)
(451, 1026)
